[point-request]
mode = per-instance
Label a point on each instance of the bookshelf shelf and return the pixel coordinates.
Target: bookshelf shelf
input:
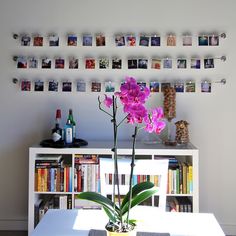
(44, 194)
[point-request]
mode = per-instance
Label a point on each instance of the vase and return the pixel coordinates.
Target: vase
(130, 233)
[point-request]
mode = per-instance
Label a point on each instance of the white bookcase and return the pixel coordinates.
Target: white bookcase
(183, 153)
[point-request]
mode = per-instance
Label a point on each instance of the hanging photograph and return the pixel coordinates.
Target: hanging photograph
(187, 40)
(53, 86)
(73, 63)
(66, 86)
(190, 87)
(87, 40)
(46, 63)
(144, 41)
(103, 63)
(100, 40)
(119, 40)
(155, 41)
(142, 85)
(38, 41)
(116, 63)
(25, 85)
(156, 64)
(72, 40)
(181, 63)
(25, 40)
(171, 40)
(96, 87)
(81, 86)
(109, 86)
(33, 63)
(165, 85)
(53, 41)
(22, 62)
(195, 63)
(203, 40)
(59, 63)
(214, 40)
(90, 63)
(167, 63)
(142, 63)
(154, 86)
(132, 64)
(179, 87)
(131, 41)
(206, 87)
(38, 86)
(208, 63)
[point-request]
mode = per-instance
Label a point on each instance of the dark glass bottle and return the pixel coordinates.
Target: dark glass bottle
(57, 130)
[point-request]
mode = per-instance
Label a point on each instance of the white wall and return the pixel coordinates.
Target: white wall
(26, 118)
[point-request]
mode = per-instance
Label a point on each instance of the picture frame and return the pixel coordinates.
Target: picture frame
(96, 87)
(206, 87)
(209, 63)
(25, 40)
(53, 86)
(59, 63)
(25, 85)
(89, 63)
(119, 40)
(46, 63)
(142, 63)
(190, 87)
(38, 41)
(203, 40)
(38, 86)
(87, 40)
(171, 40)
(81, 86)
(144, 41)
(167, 63)
(155, 41)
(53, 41)
(156, 64)
(116, 63)
(66, 86)
(22, 62)
(181, 63)
(100, 40)
(72, 40)
(73, 63)
(103, 63)
(109, 86)
(154, 86)
(132, 63)
(33, 62)
(131, 40)
(195, 63)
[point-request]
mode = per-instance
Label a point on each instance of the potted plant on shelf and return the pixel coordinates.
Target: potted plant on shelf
(133, 98)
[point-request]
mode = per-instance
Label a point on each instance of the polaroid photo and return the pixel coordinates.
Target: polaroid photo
(66, 86)
(25, 40)
(116, 63)
(109, 86)
(71, 40)
(167, 63)
(181, 63)
(195, 63)
(165, 85)
(208, 63)
(87, 40)
(22, 62)
(96, 87)
(38, 41)
(132, 63)
(156, 64)
(53, 41)
(205, 87)
(80, 86)
(46, 63)
(100, 40)
(33, 63)
(179, 87)
(142, 63)
(90, 63)
(187, 40)
(53, 86)
(171, 40)
(38, 86)
(203, 40)
(73, 63)
(103, 63)
(214, 40)
(155, 41)
(154, 87)
(120, 40)
(142, 85)
(25, 85)
(131, 41)
(59, 63)
(144, 41)
(190, 87)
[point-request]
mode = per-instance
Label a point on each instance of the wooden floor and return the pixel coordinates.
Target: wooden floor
(13, 233)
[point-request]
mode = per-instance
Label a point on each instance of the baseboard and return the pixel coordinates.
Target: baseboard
(229, 229)
(11, 224)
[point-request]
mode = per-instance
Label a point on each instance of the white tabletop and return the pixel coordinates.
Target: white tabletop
(79, 222)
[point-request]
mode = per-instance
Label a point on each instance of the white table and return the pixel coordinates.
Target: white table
(79, 222)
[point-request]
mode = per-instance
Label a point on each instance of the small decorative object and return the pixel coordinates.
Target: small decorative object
(133, 100)
(182, 136)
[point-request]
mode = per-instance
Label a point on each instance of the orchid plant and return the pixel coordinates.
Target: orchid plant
(132, 97)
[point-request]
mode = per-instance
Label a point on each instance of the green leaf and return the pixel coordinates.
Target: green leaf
(111, 215)
(138, 199)
(136, 189)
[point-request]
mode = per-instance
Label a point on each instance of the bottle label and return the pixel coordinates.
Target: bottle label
(68, 135)
(56, 137)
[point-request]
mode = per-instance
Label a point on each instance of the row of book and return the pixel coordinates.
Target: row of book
(179, 204)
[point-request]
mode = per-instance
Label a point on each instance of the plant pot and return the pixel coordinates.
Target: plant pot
(130, 233)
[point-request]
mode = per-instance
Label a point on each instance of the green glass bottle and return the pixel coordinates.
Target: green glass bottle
(73, 123)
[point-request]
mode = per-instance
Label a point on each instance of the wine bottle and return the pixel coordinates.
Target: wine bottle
(72, 121)
(57, 131)
(68, 132)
